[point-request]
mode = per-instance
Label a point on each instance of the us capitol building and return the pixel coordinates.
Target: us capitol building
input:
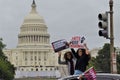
(34, 55)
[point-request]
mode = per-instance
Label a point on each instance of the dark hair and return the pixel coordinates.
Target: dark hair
(65, 55)
(83, 51)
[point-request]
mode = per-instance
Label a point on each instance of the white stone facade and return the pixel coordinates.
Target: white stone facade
(94, 52)
(117, 50)
(34, 51)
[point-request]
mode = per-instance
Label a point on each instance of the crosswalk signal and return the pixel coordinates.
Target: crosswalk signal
(103, 24)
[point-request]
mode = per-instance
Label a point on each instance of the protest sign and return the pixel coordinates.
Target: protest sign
(90, 74)
(76, 42)
(59, 45)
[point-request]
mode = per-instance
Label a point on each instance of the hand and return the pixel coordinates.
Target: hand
(86, 49)
(85, 45)
(80, 77)
(59, 53)
(67, 44)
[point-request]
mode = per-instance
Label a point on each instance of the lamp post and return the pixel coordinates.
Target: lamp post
(112, 51)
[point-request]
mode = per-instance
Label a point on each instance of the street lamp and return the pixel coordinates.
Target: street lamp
(112, 51)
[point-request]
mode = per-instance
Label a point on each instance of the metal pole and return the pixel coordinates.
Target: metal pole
(112, 52)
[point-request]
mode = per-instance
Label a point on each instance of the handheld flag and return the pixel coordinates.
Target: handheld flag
(90, 74)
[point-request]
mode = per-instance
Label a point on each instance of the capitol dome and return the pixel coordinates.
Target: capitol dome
(33, 16)
(33, 31)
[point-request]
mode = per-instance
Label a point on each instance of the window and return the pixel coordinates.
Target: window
(41, 69)
(22, 69)
(51, 69)
(35, 58)
(32, 69)
(36, 69)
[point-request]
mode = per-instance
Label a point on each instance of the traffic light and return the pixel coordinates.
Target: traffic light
(103, 24)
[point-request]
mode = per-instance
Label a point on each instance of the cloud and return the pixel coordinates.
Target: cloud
(64, 19)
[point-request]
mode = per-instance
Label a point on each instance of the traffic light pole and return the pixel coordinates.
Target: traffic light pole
(112, 51)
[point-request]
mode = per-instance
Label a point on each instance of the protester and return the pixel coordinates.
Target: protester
(69, 61)
(83, 56)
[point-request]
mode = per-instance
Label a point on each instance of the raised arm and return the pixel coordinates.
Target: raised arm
(59, 59)
(72, 50)
(74, 53)
(86, 49)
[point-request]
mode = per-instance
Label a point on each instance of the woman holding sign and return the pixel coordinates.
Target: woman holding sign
(69, 61)
(83, 56)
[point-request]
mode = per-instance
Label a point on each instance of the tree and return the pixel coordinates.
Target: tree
(102, 62)
(7, 70)
(103, 59)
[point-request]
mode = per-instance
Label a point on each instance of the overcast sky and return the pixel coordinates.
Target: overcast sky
(64, 19)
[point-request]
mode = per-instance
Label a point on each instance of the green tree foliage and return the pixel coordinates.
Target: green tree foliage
(7, 71)
(103, 59)
(102, 62)
(92, 63)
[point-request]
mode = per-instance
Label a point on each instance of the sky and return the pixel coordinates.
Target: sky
(64, 19)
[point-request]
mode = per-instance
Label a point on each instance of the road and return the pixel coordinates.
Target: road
(35, 79)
